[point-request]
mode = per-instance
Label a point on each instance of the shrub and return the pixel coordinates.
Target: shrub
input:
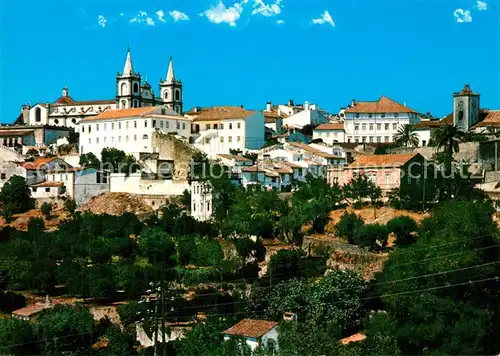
(373, 236)
(348, 226)
(46, 209)
(403, 227)
(70, 205)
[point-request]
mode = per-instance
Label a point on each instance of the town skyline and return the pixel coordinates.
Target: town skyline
(262, 63)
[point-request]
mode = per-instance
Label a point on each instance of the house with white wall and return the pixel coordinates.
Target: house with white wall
(222, 129)
(330, 133)
(201, 200)
(130, 130)
(310, 115)
(255, 332)
(377, 121)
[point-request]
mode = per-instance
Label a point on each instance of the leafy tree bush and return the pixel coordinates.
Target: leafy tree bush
(15, 196)
(131, 312)
(89, 160)
(46, 210)
(403, 228)
(70, 205)
(118, 162)
(17, 337)
(361, 188)
(372, 236)
(348, 226)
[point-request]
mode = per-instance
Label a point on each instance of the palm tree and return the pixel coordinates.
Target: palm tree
(446, 137)
(406, 136)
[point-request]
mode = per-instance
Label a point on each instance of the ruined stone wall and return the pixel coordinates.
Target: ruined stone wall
(171, 148)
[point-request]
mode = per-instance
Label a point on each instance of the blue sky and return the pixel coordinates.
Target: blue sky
(252, 51)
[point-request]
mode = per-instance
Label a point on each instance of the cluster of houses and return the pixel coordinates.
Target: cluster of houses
(272, 146)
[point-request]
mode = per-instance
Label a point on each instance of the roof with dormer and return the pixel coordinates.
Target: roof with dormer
(382, 105)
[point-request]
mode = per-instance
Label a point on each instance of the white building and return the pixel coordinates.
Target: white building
(311, 115)
(130, 130)
(255, 332)
(222, 129)
(131, 91)
(201, 200)
(377, 121)
(330, 133)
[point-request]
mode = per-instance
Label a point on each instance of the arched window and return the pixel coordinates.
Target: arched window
(136, 104)
(165, 94)
(56, 121)
(136, 88)
(123, 89)
(177, 109)
(144, 137)
(38, 115)
(177, 95)
(124, 104)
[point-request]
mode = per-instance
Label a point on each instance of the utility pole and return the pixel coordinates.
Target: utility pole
(156, 328)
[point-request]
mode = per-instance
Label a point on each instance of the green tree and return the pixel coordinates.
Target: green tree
(118, 162)
(446, 137)
(46, 210)
(372, 236)
(348, 226)
(404, 228)
(406, 136)
(361, 188)
(17, 337)
(70, 205)
(89, 160)
(16, 196)
(119, 343)
(456, 247)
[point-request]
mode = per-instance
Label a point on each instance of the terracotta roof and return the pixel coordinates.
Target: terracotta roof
(377, 161)
(383, 105)
(425, 125)
(491, 119)
(465, 91)
(30, 309)
(251, 328)
(38, 163)
(312, 150)
(353, 338)
(271, 174)
(291, 165)
(235, 157)
(331, 126)
(254, 169)
(68, 169)
(122, 113)
(48, 184)
(9, 132)
(223, 113)
(69, 101)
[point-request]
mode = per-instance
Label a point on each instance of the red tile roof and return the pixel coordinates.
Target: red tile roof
(48, 184)
(383, 105)
(122, 113)
(491, 119)
(38, 163)
(14, 132)
(465, 91)
(312, 150)
(222, 113)
(381, 161)
(353, 338)
(235, 157)
(254, 169)
(67, 100)
(331, 126)
(251, 328)
(30, 309)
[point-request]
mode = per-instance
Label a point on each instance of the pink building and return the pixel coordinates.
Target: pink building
(386, 171)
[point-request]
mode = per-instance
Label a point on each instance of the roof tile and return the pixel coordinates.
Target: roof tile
(383, 105)
(223, 113)
(378, 161)
(251, 328)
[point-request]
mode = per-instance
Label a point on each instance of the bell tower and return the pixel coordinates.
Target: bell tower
(465, 108)
(128, 86)
(171, 90)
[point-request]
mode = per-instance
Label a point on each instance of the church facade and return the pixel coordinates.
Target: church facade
(131, 92)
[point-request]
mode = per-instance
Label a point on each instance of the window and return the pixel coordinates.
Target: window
(238, 138)
(90, 141)
(112, 126)
(383, 114)
(38, 115)
(135, 137)
(386, 138)
(136, 88)
(253, 177)
(194, 207)
(178, 125)
(207, 127)
(230, 139)
(387, 178)
(135, 124)
(177, 95)
(394, 126)
(356, 139)
(379, 139)
(34, 189)
(145, 123)
(126, 125)
(424, 142)
(105, 126)
(165, 94)
(166, 124)
(136, 104)
(371, 139)
(154, 123)
(372, 178)
(371, 127)
(97, 127)
(222, 139)
(363, 139)
(396, 115)
(299, 172)
(161, 124)
(356, 127)
(221, 126)
(230, 126)
(104, 139)
(83, 128)
(124, 104)
(183, 125)
(239, 125)
(144, 137)
(363, 127)
(3, 176)
(207, 140)
(357, 115)
(126, 138)
(370, 115)
(119, 126)
(386, 126)
(97, 140)
(113, 139)
(208, 206)
(379, 126)
(90, 128)
(47, 190)
(215, 126)
(349, 139)
(119, 139)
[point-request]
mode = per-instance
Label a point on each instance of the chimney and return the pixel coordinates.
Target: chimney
(65, 92)
(353, 102)
(306, 105)
(241, 106)
(268, 106)
(290, 102)
(195, 109)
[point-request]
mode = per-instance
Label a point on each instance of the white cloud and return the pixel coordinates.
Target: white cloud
(142, 17)
(266, 10)
(101, 21)
(462, 15)
(222, 14)
(324, 19)
(161, 15)
(178, 16)
(122, 14)
(280, 22)
(482, 5)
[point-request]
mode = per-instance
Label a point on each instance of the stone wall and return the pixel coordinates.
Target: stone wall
(171, 148)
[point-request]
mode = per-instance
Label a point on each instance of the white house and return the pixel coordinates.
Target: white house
(255, 332)
(330, 133)
(201, 200)
(376, 121)
(222, 129)
(310, 115)
(130, 130)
